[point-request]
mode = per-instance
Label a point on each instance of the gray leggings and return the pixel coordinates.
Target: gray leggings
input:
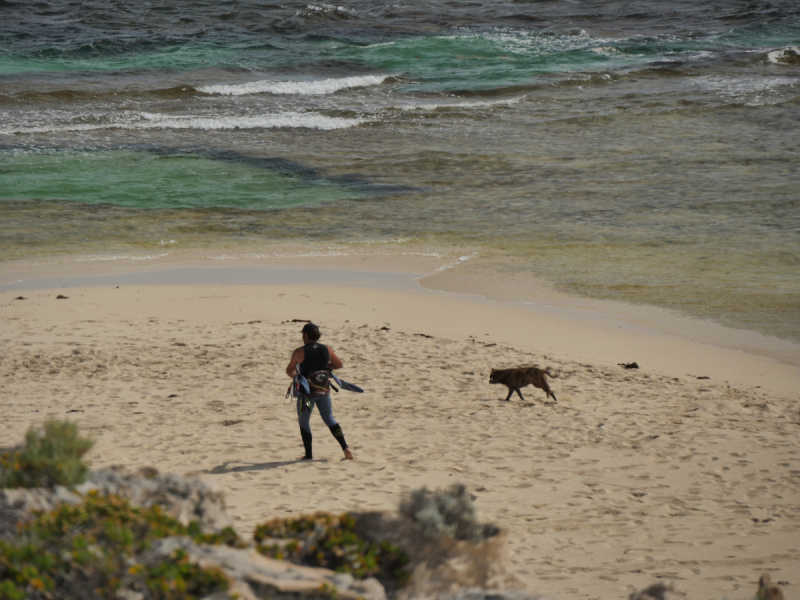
(325, 406)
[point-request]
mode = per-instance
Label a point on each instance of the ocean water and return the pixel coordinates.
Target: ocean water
(645, 152)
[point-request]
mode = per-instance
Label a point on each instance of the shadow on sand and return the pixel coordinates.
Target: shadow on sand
(241, 467)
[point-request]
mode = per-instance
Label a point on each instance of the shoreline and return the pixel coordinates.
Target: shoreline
(571, 333)
(436, 276)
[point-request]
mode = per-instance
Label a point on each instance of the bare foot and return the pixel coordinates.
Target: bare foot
(347, 454)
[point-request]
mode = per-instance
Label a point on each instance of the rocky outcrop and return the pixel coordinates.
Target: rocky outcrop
(440, 568)
(182, 498)
(185, 499)
(251, 575)
(256, 576)
(17, 504)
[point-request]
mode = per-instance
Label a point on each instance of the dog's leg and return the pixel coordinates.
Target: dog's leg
(520, 394)
(510, 391)
(547, 391)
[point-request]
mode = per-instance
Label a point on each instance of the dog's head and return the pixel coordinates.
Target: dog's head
(493, 377)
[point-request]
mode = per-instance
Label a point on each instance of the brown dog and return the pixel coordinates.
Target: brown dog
(514, 379)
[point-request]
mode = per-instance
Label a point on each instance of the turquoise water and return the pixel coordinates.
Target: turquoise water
(147, 180)
(641, 152)
(461, 60)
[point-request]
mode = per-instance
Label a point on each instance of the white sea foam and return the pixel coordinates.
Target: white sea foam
(110, 257)
(515, 42)
(299, 88)
(461, 259)
(289, 119)
(361, 249)
(464, 105)
(785, 56)
(605, 50)
(330, 8)
(529, 43)
(264, 255)
(161, 121)
(699, 55)
(754, 91)
(381, 45)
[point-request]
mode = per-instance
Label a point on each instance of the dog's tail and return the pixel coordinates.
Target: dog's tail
(551, 373)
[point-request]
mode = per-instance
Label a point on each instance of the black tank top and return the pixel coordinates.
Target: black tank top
(315, 358)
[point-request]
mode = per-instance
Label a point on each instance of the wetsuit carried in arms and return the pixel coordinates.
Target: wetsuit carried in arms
(316, 358)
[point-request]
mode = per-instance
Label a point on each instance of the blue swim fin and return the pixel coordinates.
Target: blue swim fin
(347, 386)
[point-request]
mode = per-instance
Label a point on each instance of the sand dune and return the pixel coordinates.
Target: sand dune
(632, 475)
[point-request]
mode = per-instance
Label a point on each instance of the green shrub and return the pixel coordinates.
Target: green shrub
(90, 551)
(178, 579)
(47, 460)
(445, 513)
(330, 541)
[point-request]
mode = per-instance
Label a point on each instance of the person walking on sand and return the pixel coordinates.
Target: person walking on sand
(315, 359)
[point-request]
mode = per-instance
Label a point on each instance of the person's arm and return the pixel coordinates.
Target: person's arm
(335, 362)
(297, 357)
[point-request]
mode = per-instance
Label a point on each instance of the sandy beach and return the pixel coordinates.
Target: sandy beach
(687, 468)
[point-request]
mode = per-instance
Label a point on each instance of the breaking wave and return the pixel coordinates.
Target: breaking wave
(155, 121)
(300, 88)
(785, 56)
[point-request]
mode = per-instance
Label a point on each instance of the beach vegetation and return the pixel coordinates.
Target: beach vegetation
(448, 512)
(52, 456)
(331, 541)
(94, 549)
